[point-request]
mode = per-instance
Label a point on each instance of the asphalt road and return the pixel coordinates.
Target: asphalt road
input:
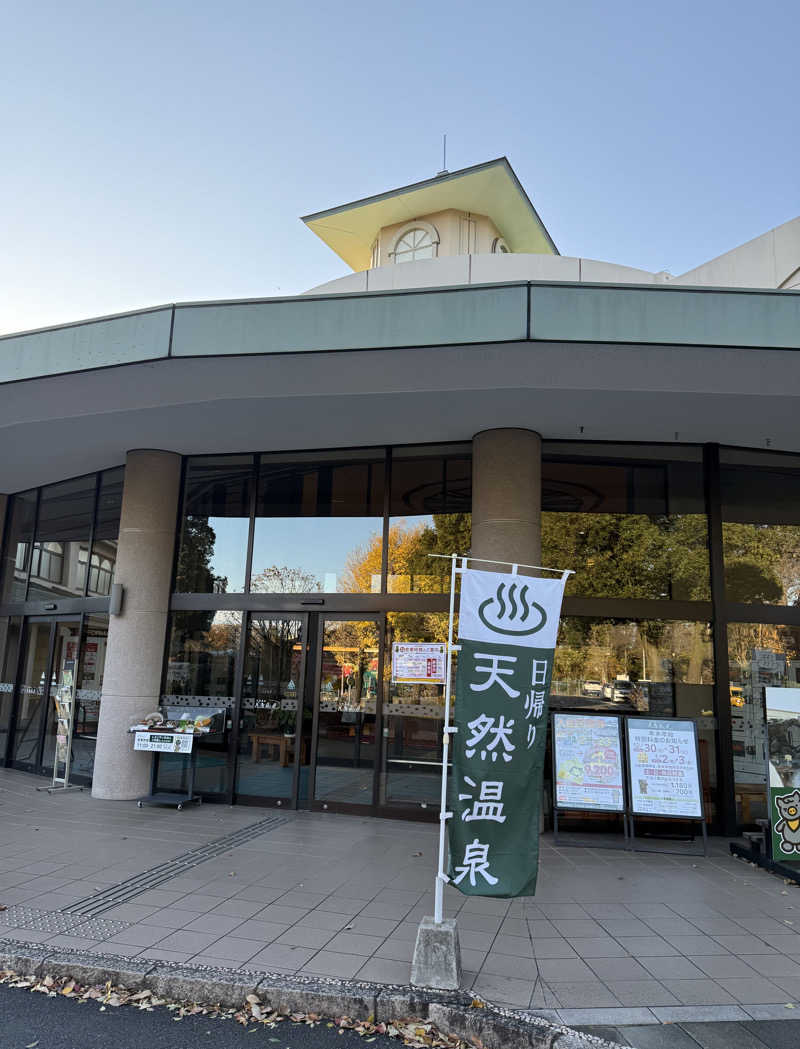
(31, 1020)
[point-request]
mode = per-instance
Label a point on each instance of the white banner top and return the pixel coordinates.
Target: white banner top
(510, 609)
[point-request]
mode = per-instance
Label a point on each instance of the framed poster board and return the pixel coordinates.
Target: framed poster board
(663, 768)
(587, 763)
(418, 664)
(783, 771)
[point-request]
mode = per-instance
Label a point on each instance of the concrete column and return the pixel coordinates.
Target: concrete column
(507, 496)
(135, 651)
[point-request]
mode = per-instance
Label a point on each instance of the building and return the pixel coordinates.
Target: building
(267, 479)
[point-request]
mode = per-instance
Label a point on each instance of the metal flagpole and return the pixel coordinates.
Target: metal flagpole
(444, 815)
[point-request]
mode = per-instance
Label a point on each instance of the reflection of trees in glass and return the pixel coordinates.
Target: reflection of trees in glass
(656, 650)
(202, 654)
(744, 638)
(762, 563)
(281, 579)
(411, 569)
(629, 555)
(194, 574)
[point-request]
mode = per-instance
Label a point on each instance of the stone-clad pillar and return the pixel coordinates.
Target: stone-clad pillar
(135, 652)
(507, 496)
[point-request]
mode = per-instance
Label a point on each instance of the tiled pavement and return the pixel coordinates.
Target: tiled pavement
(611, 937)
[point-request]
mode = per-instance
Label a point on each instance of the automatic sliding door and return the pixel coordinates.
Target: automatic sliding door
(273, 746)
(344, 771)
(25, 751)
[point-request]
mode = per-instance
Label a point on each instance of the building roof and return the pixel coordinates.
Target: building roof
(489, 189)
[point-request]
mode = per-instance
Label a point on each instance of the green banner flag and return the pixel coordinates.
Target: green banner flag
(507, 635)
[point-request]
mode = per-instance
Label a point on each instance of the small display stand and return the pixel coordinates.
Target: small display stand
(64, 700)
(158, 742)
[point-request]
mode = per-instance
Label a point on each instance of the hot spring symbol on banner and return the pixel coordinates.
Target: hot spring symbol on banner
(507, 636)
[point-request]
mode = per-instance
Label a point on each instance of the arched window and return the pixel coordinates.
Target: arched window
(418, 242)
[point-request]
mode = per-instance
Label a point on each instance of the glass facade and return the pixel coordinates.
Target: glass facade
(430, 513)
(319, 524)
(761, 527)
(60, 545)
(685, 602)
(630, 529)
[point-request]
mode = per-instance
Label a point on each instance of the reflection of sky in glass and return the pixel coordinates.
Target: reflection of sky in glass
(230, 550)
(317, 545)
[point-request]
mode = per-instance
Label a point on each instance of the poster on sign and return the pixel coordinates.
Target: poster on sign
(663, 769)
(418, 664)
(587, 762)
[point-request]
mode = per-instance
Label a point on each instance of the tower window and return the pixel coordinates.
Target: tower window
(415, 243)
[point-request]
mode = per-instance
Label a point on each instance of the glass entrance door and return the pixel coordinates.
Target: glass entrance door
(273, 745)
(346, 713)
(50, 662)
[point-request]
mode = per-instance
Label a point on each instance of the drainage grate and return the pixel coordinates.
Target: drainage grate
(129, 889)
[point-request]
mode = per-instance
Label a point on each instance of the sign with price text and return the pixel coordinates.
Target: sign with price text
(507, 635)
(662, 764)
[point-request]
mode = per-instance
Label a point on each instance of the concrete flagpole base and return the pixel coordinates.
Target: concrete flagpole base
(437, 955)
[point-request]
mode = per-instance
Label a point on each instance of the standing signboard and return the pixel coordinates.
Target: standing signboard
(783, 771)
(663, 768)
(507, 632)
(587, 763)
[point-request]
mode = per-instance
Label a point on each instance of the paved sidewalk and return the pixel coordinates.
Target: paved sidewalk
(611, 937)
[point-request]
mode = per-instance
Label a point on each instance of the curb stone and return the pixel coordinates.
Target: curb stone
(453, 1012)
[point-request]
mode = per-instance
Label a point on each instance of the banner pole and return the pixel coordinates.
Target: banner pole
(444, 815)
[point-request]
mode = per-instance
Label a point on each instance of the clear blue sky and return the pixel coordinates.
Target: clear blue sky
(154, 152)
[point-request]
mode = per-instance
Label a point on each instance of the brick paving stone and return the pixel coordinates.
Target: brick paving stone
(745, 944)
(302, 936)
(353, 943)
(578, 994)
(288, 959)
(230, 949)
(385, 970)
(520, 947)
(753, 990)
(218, 923)
(277, 913)
(506, 965)
(264, 932)
(597, 947)
(503, 990)
(333, 963)
(699, 992)
(403, 951)
(368, 926)
(187, 941)
(647, 946)
(618, 969)
(553, 948)
(722, 1035)
(641, 992)
(726, 965)
(696, 945)
(564, 969)
(677, 968)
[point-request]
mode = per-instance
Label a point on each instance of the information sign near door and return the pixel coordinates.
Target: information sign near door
(663, 768)
(587, 763)
(418, 664)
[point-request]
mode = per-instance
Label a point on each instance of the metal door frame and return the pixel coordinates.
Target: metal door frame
(234, 796)
(371, 809)
(37, 767)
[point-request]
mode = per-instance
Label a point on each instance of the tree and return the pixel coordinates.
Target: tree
(281, 579)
